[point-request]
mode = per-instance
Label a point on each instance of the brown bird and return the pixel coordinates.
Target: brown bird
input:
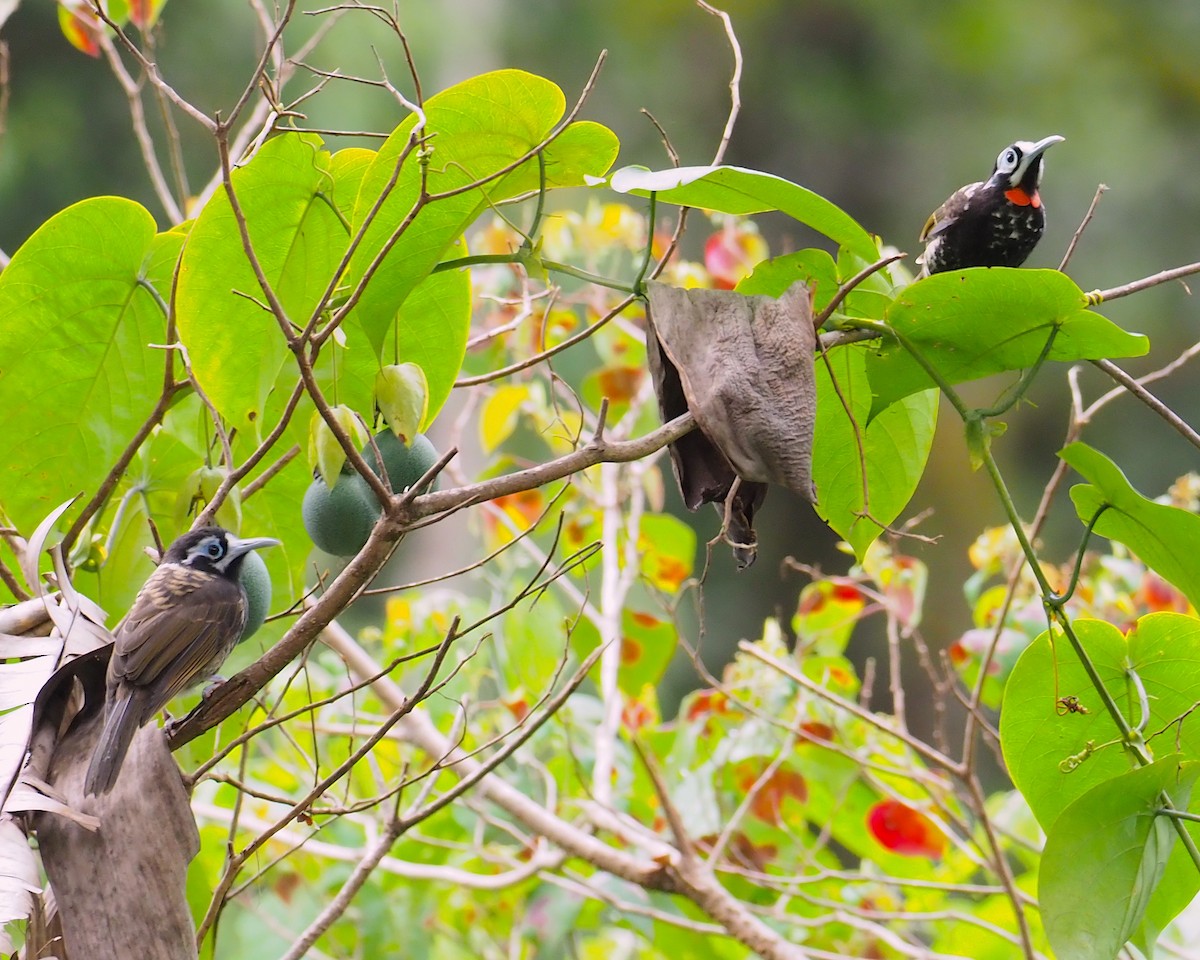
(186, 619)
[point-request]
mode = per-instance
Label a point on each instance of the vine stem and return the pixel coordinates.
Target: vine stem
(1054, 605)
(1131, 739)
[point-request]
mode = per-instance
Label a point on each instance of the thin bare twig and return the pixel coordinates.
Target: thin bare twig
(546, 354)
(97, 9)
(1087, 218)
(141, 132)
(235, 474)
(264, 478)
(913, 743)
(1182, 427)
(1136, 286)
(321, 786)
(696, 880)
(735, 81)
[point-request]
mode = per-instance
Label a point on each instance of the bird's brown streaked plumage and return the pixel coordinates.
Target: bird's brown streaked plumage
(155, 641)
(186, 619)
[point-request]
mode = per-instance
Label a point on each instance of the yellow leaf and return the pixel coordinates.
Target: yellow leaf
(499, 416)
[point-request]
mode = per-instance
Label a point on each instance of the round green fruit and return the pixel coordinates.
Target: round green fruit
(404, 465)
(256, 581)
(339, 519)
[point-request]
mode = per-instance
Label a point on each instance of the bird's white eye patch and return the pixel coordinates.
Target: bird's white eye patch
(1008, 160)
(211, 548)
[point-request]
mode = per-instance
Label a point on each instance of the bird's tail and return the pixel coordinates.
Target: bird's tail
(122, 719)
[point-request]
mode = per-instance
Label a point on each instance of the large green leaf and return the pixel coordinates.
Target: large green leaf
(77, 375)
(1166, 538)
(1176, 889)
(431, 331)
(894, 448)
(236, 346)
(740, 191)
(1040, 739)
(773, 277)
(973, 323)
(1104, 858)
(474, 129)
(348, 167)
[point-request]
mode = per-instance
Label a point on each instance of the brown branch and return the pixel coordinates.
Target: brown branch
(236, 691)
(422, 198)
(141, 132)
(234, 476)
(1000, 863)
(537, 148)
(260, 69)
(265, 477)
(400, 711)
(1136, 286)
(340, 902)
(481, 563)
(311, 707)
(151, 68)
(239, 216)
(419, 730)
(548, 353)
(848, 287)
(1133, 386)
(592, 453)
(295, 343)
(109, 483)
(1087, 218)
(8, 578)
(918, 746)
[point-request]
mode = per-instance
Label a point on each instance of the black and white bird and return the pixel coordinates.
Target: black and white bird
(993, 223)
(186, 619)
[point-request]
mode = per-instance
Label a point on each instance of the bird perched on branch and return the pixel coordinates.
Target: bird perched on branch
(186, 619)
(993, 223)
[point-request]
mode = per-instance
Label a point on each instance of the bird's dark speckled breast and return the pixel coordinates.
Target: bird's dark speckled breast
(1003, 236)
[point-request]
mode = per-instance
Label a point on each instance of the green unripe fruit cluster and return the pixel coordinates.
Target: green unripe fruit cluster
(339, 519)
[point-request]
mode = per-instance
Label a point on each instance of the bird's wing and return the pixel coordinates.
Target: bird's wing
(948, 212)
(171, 634)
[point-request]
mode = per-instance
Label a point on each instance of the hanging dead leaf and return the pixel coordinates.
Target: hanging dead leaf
(743, 365)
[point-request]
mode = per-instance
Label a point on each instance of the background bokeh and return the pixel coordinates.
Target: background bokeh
(884, 106)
